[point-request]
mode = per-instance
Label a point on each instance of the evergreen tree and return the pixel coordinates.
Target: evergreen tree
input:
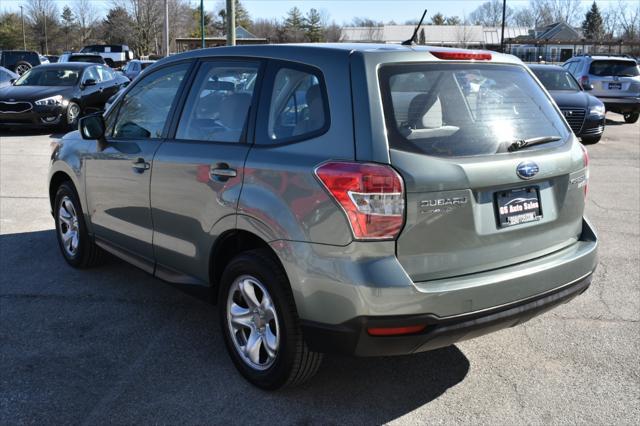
(422, 39)
(313, 26)
(10, 31)
(68, 23)
(438, 19)
(294, 25)
(592, 26)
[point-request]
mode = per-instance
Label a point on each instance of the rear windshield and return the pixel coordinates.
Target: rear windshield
(555, 79)
(614, 68)
(92, 59)
(463, 109)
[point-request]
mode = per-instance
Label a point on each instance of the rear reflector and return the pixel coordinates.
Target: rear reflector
(585, 161)
(371, 195)
(462, 56)
(395, 331)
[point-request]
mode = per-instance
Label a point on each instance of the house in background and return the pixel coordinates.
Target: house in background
(553, 43)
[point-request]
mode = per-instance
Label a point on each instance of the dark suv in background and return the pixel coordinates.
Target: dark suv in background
(19, 61)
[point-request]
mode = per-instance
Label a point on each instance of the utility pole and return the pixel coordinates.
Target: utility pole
(202, 22)
(46, 40)
(231, 22)
(166, 28)
(504, 12)
(24, 37)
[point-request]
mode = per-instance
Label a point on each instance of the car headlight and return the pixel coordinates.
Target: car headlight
(596, 110)
(52, 101)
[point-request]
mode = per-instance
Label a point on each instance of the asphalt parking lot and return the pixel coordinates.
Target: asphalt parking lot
(114, 345)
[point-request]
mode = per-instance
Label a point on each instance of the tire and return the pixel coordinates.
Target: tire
(22, 67)
(277, 330)
(78, 250)
(631, 117)
(71, 117)
(590, 140)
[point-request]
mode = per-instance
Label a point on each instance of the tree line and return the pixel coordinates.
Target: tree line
(139, 23)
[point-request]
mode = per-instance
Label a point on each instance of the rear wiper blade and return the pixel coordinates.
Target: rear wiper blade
(523, 143)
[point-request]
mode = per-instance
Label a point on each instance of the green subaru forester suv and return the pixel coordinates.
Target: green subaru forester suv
(361, 199)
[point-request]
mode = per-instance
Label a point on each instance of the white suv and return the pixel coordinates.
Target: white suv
(615, 80)
(114, 55)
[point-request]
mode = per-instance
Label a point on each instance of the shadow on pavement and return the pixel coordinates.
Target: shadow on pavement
(112, 344)
(24, 131)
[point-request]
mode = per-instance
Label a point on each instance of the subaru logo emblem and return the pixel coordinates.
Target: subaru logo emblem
(527, 170)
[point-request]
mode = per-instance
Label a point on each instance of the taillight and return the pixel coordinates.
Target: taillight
(585, 162)
(371, 195)
(584, 81)
(462, 56)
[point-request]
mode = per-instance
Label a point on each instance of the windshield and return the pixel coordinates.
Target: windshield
(48, 77)
(554, 79)
(616, 68)
(451, 110)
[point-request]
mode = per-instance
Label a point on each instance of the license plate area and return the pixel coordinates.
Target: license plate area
(518, 206)
(615, 86)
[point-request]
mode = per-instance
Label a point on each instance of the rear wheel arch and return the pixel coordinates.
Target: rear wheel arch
(227, 246)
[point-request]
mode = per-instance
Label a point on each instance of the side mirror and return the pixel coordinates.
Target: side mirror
(92, 127)
(13, 80)
(587, 87)
(89, 82)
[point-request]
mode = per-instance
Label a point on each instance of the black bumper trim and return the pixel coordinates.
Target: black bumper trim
(351, 337)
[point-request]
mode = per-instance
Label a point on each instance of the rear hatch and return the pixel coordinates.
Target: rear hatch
(472, 204)
(614, 78)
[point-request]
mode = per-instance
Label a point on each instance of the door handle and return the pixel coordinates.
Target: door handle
(222, 172)
(139, 166)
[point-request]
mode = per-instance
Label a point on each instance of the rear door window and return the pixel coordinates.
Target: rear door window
(298, 107)
(460, 109)
(217, 108)
(617, 68)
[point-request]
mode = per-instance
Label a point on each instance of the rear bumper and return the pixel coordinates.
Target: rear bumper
(339, 296)
(622, 104)
(352, 337)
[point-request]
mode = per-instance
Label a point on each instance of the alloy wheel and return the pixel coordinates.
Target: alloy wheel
(252, 322)
(69, 229)
(73, 112)
(22, 68)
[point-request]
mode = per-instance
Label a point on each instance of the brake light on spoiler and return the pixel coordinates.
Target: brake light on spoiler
(465, 56)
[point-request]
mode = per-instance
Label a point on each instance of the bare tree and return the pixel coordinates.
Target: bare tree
(629, 20)
(610, 22)
(147, 17)
(490, 14)
(87, 17)
(43, 16)
(522, 17)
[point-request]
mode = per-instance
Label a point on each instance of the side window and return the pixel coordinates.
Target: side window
(144, 109)
(298, 105)
(105, 74)
(91, 74)
(218, 104)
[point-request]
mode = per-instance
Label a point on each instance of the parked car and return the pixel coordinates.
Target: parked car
(7, 77)
(19, 61)
(52, 58)
(615, 80)
(81, 57)
(584, 113)
(135, 67)
(56, 95)
(377, 200)
(115, 55)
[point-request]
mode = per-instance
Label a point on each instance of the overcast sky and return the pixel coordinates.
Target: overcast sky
(342, 11)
